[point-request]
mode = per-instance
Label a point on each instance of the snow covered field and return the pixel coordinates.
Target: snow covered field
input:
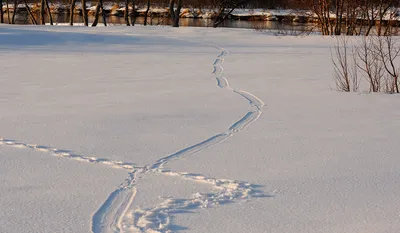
(159, 129)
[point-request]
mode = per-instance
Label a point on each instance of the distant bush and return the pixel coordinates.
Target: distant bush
(376, 59)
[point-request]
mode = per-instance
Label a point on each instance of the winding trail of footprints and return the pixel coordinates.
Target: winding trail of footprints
(117, 214)
(66, 153)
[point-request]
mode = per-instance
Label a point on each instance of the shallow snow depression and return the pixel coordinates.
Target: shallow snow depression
(157, 129)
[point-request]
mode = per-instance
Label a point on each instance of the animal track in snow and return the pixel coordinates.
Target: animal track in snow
(118, 214)
(66, 153)
(157, 219)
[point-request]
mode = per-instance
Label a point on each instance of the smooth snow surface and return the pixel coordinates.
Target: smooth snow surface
(159, 129)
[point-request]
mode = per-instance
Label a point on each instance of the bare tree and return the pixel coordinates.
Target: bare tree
(99, 7)
(383, 7)
(96, 15)
(355, 15)
(370, 13)
(324, 9)
(1, 12)
(373, 13)
(126, 13)
(31, 16)
(227, 5)
(147, 13)
(71, 12)
(8, 12)
(392, 26)
(103, 13)
(339, 6)
(321, 10)
(85, 13)
(14, 12)
(42, 22)
(175, 14)
(352, 15)
(133, 13)
(172, 10)
(49, 12)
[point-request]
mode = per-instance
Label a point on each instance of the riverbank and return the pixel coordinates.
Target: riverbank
(113, 9)
(161, 15)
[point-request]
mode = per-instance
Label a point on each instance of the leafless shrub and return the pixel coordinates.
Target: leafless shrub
(355, 77)
(376, 59)
(369, 63)
(345, 72)
(388, 88)
(387, 50)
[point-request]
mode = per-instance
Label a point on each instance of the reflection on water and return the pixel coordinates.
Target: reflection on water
(23, 18)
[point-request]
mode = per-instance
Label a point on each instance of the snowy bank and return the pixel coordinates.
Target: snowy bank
(159, 129)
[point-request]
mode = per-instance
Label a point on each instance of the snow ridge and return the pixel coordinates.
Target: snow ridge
(118, 214)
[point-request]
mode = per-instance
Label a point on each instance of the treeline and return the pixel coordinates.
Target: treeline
(334, 17)
(356, 17)
(221, 8)
(266, 4)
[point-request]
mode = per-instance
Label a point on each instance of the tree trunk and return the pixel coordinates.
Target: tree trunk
(218, 22)
(99, 7)
(339, 17)
(147, 12)
(96, 15)
(379, 27)
(1, 12)
(219, 19)
(31, 16)
(8, 13)
(133, 14)
(171, 10)
(15, 11)
(177, 13)
(126, 13)
(103, 13)
(42, 12)
(71, 13)
(85, 13)
(49, 12)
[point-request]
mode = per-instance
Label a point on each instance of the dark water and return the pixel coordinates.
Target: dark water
(22, 18)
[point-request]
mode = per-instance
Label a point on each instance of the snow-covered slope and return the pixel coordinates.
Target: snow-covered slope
(158, 129)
